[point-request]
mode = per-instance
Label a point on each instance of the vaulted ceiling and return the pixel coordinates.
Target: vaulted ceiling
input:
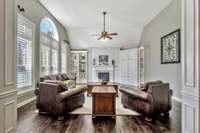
(82, 18)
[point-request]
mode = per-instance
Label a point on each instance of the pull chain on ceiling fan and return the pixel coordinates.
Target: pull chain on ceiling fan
(104, 35)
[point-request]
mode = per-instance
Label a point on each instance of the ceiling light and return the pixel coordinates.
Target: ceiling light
(104, 39)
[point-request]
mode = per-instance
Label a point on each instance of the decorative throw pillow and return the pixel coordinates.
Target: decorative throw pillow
(64, 76)
(63, 85)
(141, 86)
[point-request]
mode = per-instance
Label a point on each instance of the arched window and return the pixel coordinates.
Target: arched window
(48, 27)
(49, 42)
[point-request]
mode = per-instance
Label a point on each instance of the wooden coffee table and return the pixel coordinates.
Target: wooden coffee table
(103, 101)
(91, 85)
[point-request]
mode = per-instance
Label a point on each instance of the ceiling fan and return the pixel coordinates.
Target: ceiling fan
(104, 35)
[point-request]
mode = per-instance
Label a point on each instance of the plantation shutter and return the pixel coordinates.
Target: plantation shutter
(24, 52)
(54, 56)
(45, 54)
(63, 57)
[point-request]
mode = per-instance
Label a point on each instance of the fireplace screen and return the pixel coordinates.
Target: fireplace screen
(103, 76)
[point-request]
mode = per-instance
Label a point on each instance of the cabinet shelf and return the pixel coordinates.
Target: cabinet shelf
(79, 65)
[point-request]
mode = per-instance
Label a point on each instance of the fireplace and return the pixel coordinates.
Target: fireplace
(103, 76)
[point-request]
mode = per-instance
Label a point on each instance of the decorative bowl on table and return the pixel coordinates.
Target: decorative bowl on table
(104, 82)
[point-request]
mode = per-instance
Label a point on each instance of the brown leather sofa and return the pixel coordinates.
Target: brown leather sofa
(152, 99)
(59, 94)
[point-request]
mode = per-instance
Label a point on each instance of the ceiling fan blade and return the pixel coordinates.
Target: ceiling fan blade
(95, 34)
(113, 34)
(100, 38)
(109, 37)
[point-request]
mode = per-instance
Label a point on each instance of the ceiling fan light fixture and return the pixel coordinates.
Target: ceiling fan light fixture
(104, 39)
(104, 35)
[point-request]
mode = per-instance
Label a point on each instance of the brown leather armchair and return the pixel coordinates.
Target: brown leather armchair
(53, 99)
(153, 100)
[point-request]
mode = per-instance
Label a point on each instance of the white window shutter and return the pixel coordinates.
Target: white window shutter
(24, 52)
(63, 57)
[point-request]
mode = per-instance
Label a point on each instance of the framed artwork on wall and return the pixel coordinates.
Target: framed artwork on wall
(170, 48)
(103, 60)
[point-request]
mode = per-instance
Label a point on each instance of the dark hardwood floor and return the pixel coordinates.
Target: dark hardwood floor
(30, 122)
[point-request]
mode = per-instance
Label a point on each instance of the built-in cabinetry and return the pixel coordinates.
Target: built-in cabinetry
(79, 65)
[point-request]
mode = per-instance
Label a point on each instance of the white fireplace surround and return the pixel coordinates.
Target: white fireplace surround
(108, 69)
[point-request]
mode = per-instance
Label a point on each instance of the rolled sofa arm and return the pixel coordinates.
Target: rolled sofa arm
(161, 97)
(66, 94)
(137, 94)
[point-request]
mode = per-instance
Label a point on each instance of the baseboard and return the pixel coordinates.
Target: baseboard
(26, 102)
(176, 99)
(26, 105)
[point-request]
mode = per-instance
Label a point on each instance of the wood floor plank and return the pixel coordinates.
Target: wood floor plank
(31, 122)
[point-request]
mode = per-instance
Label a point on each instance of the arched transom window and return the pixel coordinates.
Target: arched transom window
(49, 42)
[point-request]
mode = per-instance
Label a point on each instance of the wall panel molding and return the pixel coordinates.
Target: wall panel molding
(190, 66)
(189, 115)
(8, 94)
(9, 42)
(9, 116)
(8, 91)
(189, 39)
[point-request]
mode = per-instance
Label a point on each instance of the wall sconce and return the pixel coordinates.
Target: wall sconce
(94, 62)
(21, 9)
(113, 62)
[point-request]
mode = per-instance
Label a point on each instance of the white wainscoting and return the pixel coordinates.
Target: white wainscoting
(8, 92)
(8, 113)
(190, 66)
(9, 40)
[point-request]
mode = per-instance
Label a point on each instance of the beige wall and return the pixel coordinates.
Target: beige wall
(167, 21)
(35, 12)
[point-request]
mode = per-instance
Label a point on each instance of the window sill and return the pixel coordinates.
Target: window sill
(22, 92)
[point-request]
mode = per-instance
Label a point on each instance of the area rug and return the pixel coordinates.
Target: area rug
(87, 108)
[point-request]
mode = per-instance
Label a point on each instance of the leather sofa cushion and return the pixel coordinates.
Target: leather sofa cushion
(52, 77)
(50, 85)
(147, 84)
(61, 86)
(59, 77)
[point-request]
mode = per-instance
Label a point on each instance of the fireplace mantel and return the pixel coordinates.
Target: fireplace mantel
(108, 69)
(104, 68)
